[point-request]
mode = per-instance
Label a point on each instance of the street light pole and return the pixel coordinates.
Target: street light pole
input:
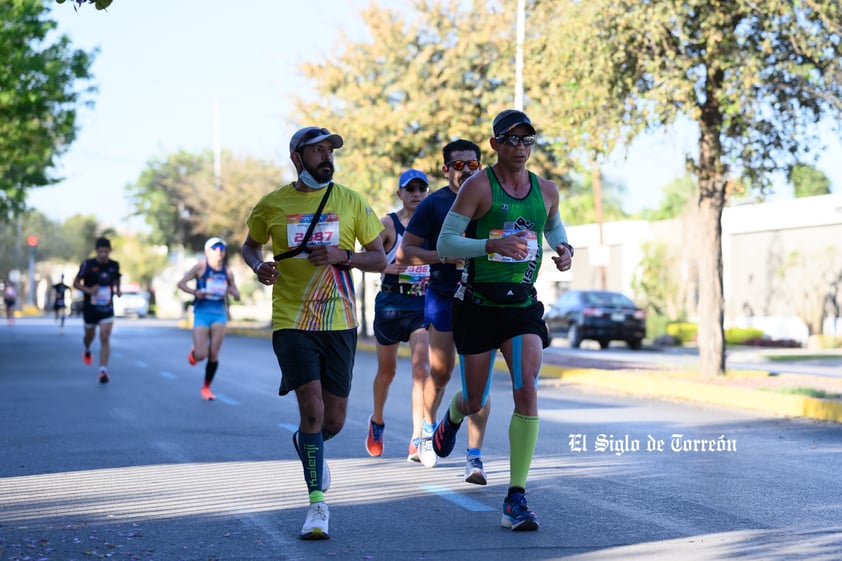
(217, 145)
(521, 32)
(32, 242)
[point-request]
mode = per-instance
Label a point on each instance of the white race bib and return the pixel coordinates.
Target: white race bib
(531, 243)
(103, 296)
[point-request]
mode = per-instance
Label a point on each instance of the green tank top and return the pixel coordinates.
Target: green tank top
(495, 280)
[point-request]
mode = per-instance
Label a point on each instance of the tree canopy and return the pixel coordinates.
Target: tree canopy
(756, 78)
(807, 181)
(42, 82)
(180, 198)
(429, 73)
(100, 4)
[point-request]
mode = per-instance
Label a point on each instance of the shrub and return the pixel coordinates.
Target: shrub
(739, 335)
(656, 325)
(767, 342)
(685, 331)
(828, 341)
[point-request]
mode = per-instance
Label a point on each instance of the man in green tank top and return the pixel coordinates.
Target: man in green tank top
(504, 212)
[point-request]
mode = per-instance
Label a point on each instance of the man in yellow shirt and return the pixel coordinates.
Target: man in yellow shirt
(314, 226)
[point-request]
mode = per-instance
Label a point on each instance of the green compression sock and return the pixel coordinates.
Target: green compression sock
(455, 415)
(523, 435)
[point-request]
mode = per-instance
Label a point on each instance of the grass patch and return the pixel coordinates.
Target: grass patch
(799, 358)
(810, 392)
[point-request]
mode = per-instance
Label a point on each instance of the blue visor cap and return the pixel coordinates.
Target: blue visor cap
(411, 174)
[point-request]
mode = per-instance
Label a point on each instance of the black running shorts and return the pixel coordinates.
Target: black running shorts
(305, 356)
(478, 329)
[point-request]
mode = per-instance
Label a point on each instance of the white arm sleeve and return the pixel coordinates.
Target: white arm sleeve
(452, 243)
(554, 231)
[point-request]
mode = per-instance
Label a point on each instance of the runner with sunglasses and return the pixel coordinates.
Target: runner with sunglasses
(214, 283)
(504, 214)
(461, 161)
(399, 317)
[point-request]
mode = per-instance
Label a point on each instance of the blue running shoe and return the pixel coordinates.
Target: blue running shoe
(516, 514)
(444, 439)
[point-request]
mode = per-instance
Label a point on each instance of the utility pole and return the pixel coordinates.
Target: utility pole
(32, 242)
(597, 199)
(521, 33)
(217, 145)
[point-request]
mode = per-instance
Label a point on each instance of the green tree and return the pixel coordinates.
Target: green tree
(754, 77)
(679, 194)
(577, 205)
(182, 201)
(430, 72)
(658, 283)
(66, 242)
(160, 196)
(41, 85)
(807, 181)
(100, 4)
(139, 260)
(77, 235)
(809, 281)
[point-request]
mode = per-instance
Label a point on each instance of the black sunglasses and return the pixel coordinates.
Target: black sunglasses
(459, 165)
(514, 140)
(414, 188)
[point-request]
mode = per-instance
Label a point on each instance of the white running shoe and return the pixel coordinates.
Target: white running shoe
(316, 524)
(474, 473)
(426, 453)
(412, 452)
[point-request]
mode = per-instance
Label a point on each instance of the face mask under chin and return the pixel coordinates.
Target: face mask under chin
(307, 178)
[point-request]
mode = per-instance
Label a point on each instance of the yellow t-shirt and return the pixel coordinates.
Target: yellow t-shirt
(305, 296)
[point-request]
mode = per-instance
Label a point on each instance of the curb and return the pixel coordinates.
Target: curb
(631, 382)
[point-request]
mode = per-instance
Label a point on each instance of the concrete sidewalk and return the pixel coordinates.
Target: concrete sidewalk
(658, 383)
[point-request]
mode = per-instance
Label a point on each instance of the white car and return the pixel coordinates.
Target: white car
(133, 302)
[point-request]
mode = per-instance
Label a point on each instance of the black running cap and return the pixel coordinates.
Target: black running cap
(509, 119)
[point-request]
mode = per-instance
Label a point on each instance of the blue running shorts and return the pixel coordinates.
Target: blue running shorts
(438, 311)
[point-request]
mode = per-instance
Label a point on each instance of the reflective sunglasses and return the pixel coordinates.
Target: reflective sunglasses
(414, 188)
(218, 246)
(459, 165)
(514, 140)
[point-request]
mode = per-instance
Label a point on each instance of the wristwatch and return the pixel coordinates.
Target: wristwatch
(346, 265)
(569, 248)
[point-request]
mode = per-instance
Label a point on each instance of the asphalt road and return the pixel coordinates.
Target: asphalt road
(143, 469)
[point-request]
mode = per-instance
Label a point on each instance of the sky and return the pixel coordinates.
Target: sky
(164, 66)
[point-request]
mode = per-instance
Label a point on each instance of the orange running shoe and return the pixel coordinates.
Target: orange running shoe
(87, 358)
(191, 358)
(412, 452)
(374, 440)
(207, 394)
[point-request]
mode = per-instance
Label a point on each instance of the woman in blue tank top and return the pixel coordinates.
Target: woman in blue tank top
(214, 283)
